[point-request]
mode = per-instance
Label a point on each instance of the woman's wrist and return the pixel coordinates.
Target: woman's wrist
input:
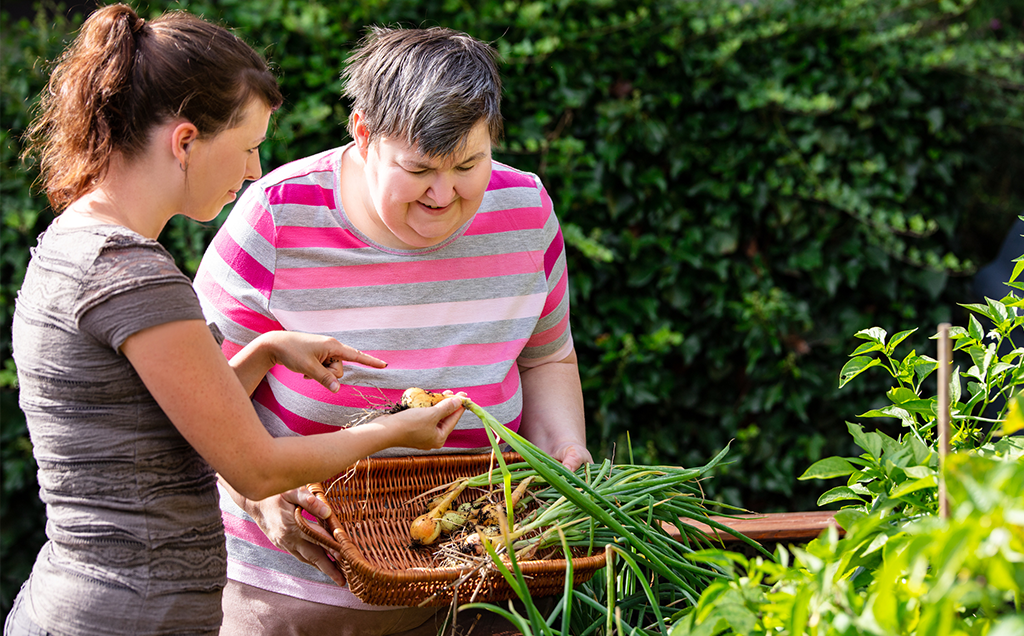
(253, 362)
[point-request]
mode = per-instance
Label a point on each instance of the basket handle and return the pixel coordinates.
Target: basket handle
(318, 535)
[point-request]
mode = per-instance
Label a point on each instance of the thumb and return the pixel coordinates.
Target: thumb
(453, 410)
(329, 380)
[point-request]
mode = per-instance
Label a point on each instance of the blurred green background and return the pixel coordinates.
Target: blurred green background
(742, 186)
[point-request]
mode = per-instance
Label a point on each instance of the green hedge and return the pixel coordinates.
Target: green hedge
(743, 186)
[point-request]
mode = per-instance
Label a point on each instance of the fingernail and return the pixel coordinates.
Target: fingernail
(335, 387)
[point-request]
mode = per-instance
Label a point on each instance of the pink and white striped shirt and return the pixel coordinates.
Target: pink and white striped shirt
(463, 315)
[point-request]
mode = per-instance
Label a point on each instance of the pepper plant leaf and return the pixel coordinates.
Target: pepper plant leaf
(855, 367)
(898, 338)
(874, 334)
(913, 486)
(828, 468)
(1015, 417)
(839, 493)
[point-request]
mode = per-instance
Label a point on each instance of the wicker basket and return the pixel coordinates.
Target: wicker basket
(370, 526)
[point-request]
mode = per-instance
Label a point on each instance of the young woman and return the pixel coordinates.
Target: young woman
(132, 408)
(413, 244)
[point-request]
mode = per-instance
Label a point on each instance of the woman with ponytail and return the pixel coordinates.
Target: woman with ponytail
(132, 408)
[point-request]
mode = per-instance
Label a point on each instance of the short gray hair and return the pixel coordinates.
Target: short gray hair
(429, 87)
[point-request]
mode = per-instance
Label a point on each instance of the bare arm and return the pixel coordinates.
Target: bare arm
(553, 411)
(186, 373)
(316, 357)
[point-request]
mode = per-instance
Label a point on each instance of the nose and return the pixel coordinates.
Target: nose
(442, 189)
(253, 169)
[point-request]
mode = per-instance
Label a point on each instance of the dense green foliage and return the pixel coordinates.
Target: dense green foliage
(743, 186)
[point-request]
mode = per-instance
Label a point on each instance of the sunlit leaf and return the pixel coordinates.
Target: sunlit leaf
(828, 468)
(855, 367)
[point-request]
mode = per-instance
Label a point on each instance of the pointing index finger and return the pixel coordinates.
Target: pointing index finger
(348, 354)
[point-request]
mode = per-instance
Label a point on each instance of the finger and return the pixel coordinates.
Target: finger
(317, 557)
(350, 354)
(311, 503)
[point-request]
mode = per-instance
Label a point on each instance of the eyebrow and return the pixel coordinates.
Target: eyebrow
(422, 165)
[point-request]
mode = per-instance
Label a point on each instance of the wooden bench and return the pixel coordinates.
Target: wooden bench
(777, 527)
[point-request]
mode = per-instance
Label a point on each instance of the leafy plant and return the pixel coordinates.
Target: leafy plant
(901, 568)
(927, 576)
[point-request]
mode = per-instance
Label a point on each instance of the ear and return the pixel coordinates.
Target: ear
(182, 136)
(360, 133)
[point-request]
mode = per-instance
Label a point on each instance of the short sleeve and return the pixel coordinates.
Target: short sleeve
(119, 317)
(133, 284)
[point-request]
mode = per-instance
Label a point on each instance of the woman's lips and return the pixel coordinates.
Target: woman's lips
(435, 211)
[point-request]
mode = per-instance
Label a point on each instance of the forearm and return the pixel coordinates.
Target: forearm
(288, 461)
(252, 363)
(553, 405)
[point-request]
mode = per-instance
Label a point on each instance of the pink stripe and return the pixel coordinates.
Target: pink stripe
(446, 270)
(556, 295)
(485, 395)
(262, 222)
(501, 179)
(549, 335)
(247, 531)
(301, 425)
(293, 236)
(485, 223)
(230, 349)
(455, 355)
(259, 277)
(553, 252)
(231, 307)
(300, 194)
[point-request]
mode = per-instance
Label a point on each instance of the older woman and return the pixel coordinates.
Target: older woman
(413, 244)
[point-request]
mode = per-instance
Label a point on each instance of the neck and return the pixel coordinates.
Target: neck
(355, 197)
(127, 197)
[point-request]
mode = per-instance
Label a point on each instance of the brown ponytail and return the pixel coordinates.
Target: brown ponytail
(122, 76)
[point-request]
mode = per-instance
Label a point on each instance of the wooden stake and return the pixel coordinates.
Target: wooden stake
(945, 360)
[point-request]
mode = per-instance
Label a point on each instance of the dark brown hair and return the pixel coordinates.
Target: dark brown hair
(122, 76)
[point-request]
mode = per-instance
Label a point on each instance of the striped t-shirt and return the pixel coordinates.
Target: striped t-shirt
(463, 315)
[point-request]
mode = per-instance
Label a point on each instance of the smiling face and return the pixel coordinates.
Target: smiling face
(218, 166)
(414, 201)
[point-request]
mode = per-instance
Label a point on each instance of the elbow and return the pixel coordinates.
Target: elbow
(254, 485)
(257, 492)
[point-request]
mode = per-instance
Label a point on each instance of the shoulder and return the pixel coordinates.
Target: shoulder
(505, 177)
(308, 181)
(125, 260)
(123, 249)
(325, 161)
(101, 246)
(518, 197)
(303, 180)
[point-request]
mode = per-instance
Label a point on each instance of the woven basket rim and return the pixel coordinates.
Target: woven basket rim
(397, 586)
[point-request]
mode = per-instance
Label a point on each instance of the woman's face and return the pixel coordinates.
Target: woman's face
(218, 166)
(419, 201)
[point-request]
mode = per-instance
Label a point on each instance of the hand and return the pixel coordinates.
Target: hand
(276, 518)
(316, 357)
(425, 428)
(572, 455)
